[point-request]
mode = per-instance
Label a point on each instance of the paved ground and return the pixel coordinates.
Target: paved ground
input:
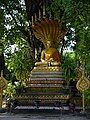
(41, 116)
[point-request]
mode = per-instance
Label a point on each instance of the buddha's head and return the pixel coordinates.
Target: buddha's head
(49, 44)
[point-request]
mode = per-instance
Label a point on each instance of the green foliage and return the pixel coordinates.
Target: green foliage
(2, 28)
(15, 29)
(87, 66)
(10, 91)
(73, 12)
(21, 64)
(76, 15)
(83, 48)
(87, 94)
(13, 19)
(69, 66)
(87, 97)
(70, 10)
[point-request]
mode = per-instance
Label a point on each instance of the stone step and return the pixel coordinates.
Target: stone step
(45, 101)
(44, 82)
(41, 110)
(46, 85)
(47, 73)
(42, 107)
(43, 93)
(42, 96)
(46, 78)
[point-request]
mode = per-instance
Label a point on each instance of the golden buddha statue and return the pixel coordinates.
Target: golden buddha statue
(50, 32)
(50, 55)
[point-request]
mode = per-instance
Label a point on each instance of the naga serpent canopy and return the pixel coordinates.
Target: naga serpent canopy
(49, 30)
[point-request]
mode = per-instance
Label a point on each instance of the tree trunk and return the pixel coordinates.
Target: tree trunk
(36, 10)
(2, 64)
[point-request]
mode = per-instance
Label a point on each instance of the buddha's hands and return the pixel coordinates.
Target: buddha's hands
(51, 60)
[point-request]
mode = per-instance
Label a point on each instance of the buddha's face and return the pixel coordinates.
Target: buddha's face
(48, 44)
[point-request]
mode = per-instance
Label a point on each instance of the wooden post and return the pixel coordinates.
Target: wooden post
(83, 102)
(82, 85)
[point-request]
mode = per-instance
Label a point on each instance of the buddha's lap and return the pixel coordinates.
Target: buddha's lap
(47, 63)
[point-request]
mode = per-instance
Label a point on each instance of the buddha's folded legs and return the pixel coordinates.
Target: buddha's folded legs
(47, 63)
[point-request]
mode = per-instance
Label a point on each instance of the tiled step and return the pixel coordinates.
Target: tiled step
(46, 73)
(46, 78)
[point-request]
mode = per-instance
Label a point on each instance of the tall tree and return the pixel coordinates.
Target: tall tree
(2, 61)
(19, 16)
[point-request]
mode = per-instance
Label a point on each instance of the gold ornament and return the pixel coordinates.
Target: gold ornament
(3, 85)
(79, 75)
(83, 84)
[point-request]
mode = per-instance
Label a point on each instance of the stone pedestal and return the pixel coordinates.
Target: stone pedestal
(45, 87)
